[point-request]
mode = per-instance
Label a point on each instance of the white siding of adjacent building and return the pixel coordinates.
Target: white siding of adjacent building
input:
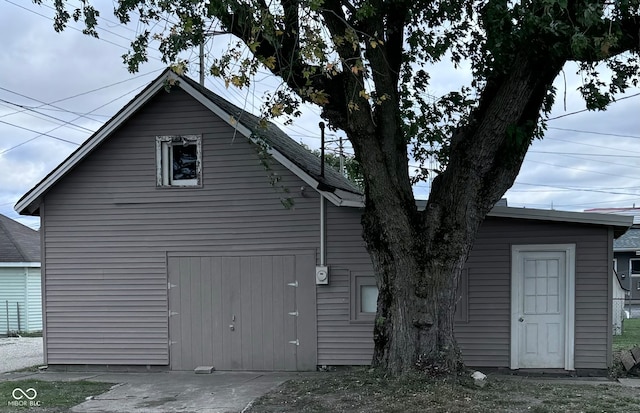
(20, 291)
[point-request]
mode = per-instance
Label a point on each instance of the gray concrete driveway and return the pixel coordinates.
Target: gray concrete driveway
(173, 391)
(18, 353)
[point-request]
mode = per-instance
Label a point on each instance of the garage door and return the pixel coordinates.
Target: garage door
(252, 312)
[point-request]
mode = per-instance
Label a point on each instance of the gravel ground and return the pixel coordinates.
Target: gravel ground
(18, 353)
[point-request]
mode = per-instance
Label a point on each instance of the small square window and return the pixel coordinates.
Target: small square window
(179, 161)
(368, 299)
(634, 266)
(364, 297)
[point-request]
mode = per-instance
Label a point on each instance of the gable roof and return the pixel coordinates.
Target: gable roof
(333, 186)
(279, 141)
(18, 243)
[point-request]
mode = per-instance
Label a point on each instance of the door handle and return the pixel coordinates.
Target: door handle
(521, 319)
(232, 327)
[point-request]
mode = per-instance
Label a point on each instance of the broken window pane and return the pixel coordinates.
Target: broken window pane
(185, 161)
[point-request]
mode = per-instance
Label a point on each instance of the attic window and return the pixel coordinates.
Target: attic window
(179, 161)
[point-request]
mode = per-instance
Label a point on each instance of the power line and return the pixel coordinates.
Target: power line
(591, 145)
(84, 115)
(69, 26)
(598, 161)
(34, 131)
(584, 110)
(55, 137)
(596, 133)
(46, 115)
(566, 188)
(583, 170)
(105, 87)
(585, 154)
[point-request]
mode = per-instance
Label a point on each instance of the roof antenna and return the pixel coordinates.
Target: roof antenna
(321, 125)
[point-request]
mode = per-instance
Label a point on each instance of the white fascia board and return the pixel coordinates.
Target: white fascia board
(563, 216)
(349, 199)
(87, 148)
(206, 102)
(626, 249)
(19, 264)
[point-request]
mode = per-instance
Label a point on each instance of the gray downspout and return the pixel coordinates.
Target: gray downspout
(323, 231)
(323, 205)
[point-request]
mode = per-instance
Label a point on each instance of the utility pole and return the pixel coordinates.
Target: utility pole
(202, 62)
(341, 157)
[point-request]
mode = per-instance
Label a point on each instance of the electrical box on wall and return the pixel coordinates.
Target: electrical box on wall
(322, 274)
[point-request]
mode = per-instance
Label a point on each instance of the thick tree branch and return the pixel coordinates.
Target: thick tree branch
(284, 46)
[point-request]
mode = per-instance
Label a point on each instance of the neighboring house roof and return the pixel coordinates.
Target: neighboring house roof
(336, 188)
(630, 241)
(18, 243)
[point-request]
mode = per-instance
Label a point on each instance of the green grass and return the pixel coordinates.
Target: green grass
(51, 396)
(630, 337)
(364, 391)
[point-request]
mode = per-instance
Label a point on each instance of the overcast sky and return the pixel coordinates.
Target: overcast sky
(57, 88)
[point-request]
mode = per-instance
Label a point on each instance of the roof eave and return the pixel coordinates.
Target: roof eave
(620, 223)
(29, 204)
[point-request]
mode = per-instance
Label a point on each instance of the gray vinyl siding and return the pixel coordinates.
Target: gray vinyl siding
(485, 338)
(341, 340)
(109, 230)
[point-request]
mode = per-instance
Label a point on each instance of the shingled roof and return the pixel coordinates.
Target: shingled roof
(629, 241)
(18, 243)
(276, 138)
(334, 187)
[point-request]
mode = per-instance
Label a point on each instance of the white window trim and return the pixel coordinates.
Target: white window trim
(631, 274)
(163, 162)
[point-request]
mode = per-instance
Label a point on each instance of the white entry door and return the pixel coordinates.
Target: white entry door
(542, 303)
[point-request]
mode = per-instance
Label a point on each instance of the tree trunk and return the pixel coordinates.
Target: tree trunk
(417, 295)
(418, 256)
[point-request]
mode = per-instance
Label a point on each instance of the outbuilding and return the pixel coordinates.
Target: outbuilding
(167, 244)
